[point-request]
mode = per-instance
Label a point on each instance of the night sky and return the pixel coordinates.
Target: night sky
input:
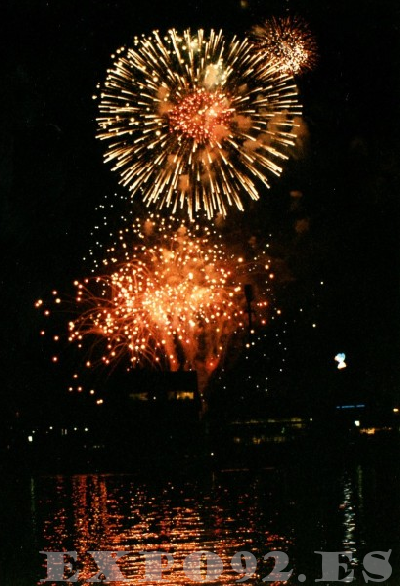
(53, 176)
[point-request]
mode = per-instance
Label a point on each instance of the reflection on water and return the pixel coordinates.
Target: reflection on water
(298, 512)
(353, 514)
(86, 513)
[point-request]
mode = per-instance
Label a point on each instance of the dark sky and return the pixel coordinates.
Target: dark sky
(52, 174)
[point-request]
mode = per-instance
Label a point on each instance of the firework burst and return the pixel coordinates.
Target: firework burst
(288, 42)
(173, 299)
(195, 122)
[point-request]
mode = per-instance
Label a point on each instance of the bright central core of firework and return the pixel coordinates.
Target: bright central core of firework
(202, 115)
(293, 54)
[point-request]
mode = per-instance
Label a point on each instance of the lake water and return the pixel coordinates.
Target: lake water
(296, 509)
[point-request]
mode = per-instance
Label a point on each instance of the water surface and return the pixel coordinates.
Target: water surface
(297, 510)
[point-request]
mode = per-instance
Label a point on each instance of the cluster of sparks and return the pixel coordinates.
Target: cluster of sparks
(195, 122)
(287, 42)
(173, 298)
(201, 115)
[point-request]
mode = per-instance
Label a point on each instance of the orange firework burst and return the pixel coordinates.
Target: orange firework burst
(288, 42)
(161, 303)
(196, 122)
(173, 300)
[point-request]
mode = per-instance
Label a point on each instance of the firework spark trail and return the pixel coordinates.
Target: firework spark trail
(287, 42)
(173, 299)
(195, 122)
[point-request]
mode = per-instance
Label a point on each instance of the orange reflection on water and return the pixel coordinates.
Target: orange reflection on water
(115, 513)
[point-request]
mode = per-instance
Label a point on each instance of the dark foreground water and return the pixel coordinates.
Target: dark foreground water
(297, 509)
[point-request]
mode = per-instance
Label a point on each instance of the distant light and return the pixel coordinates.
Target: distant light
(357, 423)
(99, 401)
(340, 359)
(30, 438)
(91, 392)
(368, 430)
(360, 406)
(51, 427)
(86, 429)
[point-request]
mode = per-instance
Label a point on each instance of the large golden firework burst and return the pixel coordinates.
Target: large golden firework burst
(196, 122)
(288, 42)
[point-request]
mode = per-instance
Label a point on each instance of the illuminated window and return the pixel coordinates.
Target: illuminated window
(185, 395)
